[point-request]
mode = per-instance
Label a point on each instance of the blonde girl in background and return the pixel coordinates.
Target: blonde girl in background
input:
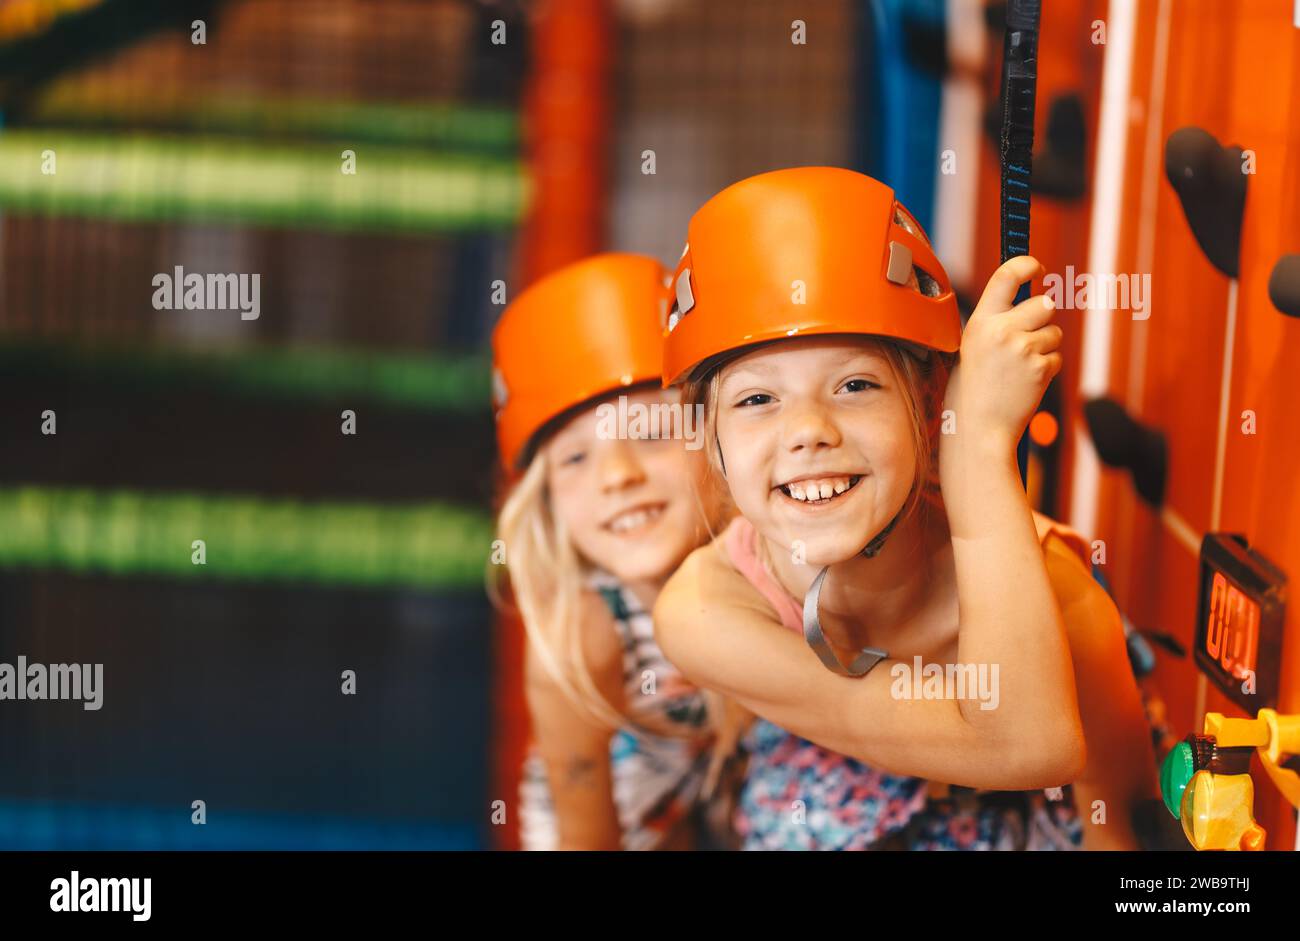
(594, 522)
(884, 532)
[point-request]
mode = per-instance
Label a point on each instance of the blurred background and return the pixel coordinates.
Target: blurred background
(493, 142)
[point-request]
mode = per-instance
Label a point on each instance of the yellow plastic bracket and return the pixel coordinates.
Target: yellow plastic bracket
(1275, 737)
(1283, 741)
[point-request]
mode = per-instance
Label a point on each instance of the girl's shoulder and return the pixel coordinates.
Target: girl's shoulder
(706, 584)
(709, 573)
(1088, 611)
(601, 645)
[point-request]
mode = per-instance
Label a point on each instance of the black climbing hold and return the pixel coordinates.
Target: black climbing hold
(1168, 642)
(1060, 170)
(1211, 186)
(993, 122)
(1123, 441)
(995, 16)
(926, 43)
(1284, 285)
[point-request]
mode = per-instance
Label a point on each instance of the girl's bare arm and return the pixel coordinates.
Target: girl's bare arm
(1121, 767)
(574, 745)
(1008, 612)
(711, 623)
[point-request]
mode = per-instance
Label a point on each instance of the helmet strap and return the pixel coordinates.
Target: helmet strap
(866, 658)
(872, 549)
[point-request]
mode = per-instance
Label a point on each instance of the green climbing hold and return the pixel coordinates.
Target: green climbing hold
(1175, 774)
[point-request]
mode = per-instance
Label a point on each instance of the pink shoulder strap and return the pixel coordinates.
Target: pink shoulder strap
(740, 543)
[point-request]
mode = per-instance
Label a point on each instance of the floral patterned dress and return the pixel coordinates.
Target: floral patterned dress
(657, 779)
(800, 796)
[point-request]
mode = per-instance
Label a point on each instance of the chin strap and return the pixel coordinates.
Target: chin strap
(872, 549)
(868, 657)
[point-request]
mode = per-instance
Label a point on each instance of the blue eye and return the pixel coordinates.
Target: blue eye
(758, 398)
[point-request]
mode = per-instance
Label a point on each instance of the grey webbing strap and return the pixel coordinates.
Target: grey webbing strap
(812, 625)
(871, 549)
(867, 658)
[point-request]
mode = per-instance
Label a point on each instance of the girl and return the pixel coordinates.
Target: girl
(817, 327)
(593, 525)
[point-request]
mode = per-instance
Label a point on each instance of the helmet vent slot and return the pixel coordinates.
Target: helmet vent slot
(925, 284)
(918, 279)
(902, 218)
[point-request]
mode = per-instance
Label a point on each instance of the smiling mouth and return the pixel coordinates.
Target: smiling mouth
(819, 491)
(634, 520)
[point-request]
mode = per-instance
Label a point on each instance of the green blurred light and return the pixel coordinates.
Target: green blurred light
(428, 545)
(447, 126)
(222, 180)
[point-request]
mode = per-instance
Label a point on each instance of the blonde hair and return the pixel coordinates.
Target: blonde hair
(546, 577)
(546, 582)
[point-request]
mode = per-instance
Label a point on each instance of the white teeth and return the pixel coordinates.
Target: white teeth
(633, 519)
(822, 489)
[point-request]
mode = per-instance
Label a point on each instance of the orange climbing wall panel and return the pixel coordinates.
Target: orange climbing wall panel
(1230, 69)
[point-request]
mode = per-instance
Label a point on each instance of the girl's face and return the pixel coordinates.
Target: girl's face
(816, 437)
(625, 499)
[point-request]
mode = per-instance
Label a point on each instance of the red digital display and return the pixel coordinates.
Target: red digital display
(1239, 621)
(1232, 628)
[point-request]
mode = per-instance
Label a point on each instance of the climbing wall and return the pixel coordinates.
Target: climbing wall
(1214, 351)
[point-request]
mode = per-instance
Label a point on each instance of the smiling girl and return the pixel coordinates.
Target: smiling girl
(882, 520)
(594, 523)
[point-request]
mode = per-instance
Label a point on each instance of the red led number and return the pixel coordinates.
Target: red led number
(1232, 634)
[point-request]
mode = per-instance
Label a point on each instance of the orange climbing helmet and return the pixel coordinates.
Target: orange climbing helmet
(585, 330)
(811, 250)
